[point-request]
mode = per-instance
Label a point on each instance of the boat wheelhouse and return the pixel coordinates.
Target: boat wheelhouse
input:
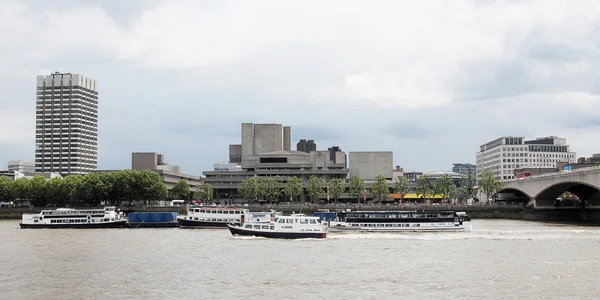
(219, 217)
(107, 217)
(390, 221)
(295, 226)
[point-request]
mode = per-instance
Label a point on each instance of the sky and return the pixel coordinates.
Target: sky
(429, 80)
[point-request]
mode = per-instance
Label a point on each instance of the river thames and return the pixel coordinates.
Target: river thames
(500, 259)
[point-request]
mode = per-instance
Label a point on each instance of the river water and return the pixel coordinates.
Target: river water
(501, 259)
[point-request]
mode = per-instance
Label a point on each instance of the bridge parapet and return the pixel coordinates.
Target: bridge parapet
(593, 169)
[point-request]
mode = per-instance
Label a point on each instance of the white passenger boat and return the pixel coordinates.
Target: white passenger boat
(108, 217)
(390, 221)
(295, 226)
(219, 217)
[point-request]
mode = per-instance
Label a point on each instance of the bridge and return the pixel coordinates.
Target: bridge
(542, 191)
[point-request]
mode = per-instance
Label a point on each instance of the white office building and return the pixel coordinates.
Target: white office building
(21, 166)
(66, 124)
(505, 154)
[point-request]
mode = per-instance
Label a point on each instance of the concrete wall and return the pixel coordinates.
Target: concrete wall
(367, 165)
(144, 160)
(267, 138)
(247, 141)
(287, 138)
(235, 153)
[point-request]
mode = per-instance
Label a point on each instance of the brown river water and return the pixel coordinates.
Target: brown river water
(500, 259)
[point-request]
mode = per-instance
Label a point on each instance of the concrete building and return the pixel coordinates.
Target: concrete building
(156, 162)
(464, 168)
(21, 166)
(367, 165)
(397, 172)
(66, 124)
(505, 154)
(265, 152)
(306, 146)
(412, 176)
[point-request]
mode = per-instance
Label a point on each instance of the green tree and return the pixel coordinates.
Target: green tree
(37, 191)
(149, 186)
(95, 189)
(6, 189)
(380, 187)
(446, 186)
(467, 185)
(293, 187)
(489, 185)
(357, 187)
(56, 192)
(249, 189)
(181, 190)
(336, 188)
(315, 188)
(204, 191)
(401, 186)
(21, 190)
(425, 186)
(74, 191)
(272, 187)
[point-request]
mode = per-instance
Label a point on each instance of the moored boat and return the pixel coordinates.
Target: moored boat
(296, 226)
(393, 221)
(219, 217)
(108, 217)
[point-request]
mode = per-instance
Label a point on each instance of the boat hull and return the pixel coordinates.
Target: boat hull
(466, 226)
(276, 235)
(201, 224)
(116, 224)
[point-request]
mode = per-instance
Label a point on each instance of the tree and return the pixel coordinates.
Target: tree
(357, 187)
(489, 185)
(401, 186)
(149, 186)
(261, 188)
(467, 184)
(293, 187)
(336, 188)
(37, 191)
(425, 186)
(6, 189)
(74, 191)
(21, 190)
(94, 189)
(380, 187)
(204, 192)
(445, 186)
(272, 186)
(315, 187)
(56, 192)
(249, 188)
(181, 190)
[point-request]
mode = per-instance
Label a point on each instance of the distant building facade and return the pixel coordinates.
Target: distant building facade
(412, 176)
(265, 151)
(505, 154)
(170, 174)
(397, 172)
(66, 136)
(306, 146)
(464, 168)
(21, 166)
(368, 164)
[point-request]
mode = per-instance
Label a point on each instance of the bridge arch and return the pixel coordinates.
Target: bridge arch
(582, 190)
(509, 194)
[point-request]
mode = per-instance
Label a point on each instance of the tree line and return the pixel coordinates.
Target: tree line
(92, 189)
(272, 188)
(182, 191)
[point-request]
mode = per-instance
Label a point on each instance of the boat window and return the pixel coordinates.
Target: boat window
(313, 221)
(290, 221)
(256, 226)
(303, 221)
(265, 227)
(280, 220)
(248, 226)
(272, 228)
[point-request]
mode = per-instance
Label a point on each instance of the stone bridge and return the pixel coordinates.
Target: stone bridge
(543, 190)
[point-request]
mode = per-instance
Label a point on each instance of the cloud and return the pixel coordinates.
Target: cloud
(429, 80)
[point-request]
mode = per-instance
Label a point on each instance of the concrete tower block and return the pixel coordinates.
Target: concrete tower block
(247, 140)
(287, 138)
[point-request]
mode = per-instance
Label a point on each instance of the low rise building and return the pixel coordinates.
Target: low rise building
(21, 166)
(170, 174)
(464, 168)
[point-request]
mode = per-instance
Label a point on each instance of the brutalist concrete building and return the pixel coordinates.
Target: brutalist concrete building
(265, 151)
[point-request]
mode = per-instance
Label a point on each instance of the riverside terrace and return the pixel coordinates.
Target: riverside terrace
(476, 211)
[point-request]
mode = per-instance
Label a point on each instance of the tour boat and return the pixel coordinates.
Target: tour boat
(391, 221)
(219, 217)
(108, 217)
(295, 226)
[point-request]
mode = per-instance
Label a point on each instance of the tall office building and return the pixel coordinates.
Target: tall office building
(306, 146)
(505, 154)
(66, 135)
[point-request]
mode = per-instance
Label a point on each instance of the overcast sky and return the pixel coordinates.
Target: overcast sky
(428, 80)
